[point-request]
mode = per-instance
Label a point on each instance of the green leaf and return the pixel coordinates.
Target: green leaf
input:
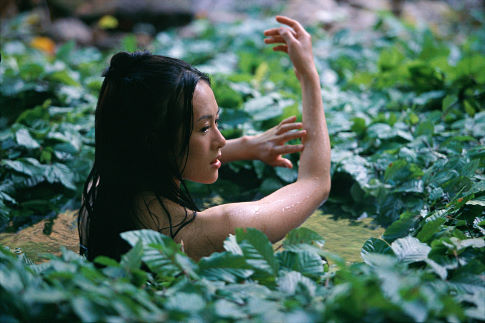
(305, 262)
(128, 43)
(424, 128)
(437, 268)
(289, 175)
(401, 227)
(226, 309)
(132, 259)
(430, 228)
(359, 126)
(380, 130)
(477, 201)
(64, 52)
(231, 245)
(225, 266)
(105, 261)
(289, 283)
(258, 252)
(60, 173)
(157, 250)
(31, 71)
(358, 168)
(375, 246)
(63, 77)
(265, 107)
(85, 309)
(299, 238)
(27, 166)
(185, 302)
(410, 249)
(234, 118)
(463, 244)
(390, 58)
(449, 101)
(24, 138)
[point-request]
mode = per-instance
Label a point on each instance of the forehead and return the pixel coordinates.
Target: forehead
(203, 101)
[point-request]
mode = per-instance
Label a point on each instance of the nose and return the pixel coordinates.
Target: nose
(220, 140)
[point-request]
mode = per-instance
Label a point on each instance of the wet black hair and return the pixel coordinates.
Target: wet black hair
(143, 124)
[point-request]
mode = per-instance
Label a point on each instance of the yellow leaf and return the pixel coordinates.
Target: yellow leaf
(108, 22)
(44, 44)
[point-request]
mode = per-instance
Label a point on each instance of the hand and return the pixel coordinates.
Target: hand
(270, 145)
(296, 42)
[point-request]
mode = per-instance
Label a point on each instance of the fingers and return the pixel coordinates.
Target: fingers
(287, 35)
(283, 162)
(281, 48)
(276, 31)
(274, 39)
(288, 149)
(290, 22)
(288, 120)
(292, 135)
(287, 127)
(272, 32)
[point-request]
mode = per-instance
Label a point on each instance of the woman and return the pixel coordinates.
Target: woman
(156, 125)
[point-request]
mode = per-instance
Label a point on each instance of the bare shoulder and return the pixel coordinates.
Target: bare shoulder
(206, 234)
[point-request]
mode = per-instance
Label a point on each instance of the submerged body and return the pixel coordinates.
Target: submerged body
(159, 202)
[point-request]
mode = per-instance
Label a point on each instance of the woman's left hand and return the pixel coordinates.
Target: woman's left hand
(270, 145)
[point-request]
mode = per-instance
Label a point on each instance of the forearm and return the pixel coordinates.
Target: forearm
(237, 149)
(315, 158)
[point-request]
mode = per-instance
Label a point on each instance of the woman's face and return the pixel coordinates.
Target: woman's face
(206, 140)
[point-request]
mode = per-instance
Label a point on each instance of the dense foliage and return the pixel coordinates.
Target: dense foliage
(406, 115)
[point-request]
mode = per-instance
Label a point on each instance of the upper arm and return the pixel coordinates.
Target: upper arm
(275, 215)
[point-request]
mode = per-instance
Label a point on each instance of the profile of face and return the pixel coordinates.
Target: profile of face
(206, 141)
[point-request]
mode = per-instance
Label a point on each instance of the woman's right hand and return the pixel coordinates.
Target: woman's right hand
(296, 42)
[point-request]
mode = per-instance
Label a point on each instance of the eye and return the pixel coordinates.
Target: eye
(204, 129)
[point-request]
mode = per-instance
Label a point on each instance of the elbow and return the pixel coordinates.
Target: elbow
(328, 186)
(326, 193)
(324, 190)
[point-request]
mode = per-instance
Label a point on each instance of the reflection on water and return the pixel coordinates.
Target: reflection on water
(343, 236)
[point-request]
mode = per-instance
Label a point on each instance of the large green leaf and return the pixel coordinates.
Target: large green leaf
(410, 249)
(305, 262)
(24, 138)
(158, 250)
(225, 266)
(401, 227)
(290, 282)
(258, 252)
(375, 246)
(301, 236)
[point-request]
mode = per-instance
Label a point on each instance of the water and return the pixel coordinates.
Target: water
(343, 236)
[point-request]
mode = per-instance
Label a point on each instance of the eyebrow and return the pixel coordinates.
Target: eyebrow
(209, 116)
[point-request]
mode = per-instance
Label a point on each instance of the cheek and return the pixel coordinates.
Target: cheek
(195, 147)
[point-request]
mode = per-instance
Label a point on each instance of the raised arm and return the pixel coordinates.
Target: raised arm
(288, 207)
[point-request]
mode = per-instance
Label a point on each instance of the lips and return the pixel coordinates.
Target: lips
(216, 162)
(216, 159)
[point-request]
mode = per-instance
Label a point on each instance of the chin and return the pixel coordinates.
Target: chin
(206, 180)
(212, 180)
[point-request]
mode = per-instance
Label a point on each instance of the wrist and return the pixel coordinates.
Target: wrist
(310, 76)
(248, 146)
